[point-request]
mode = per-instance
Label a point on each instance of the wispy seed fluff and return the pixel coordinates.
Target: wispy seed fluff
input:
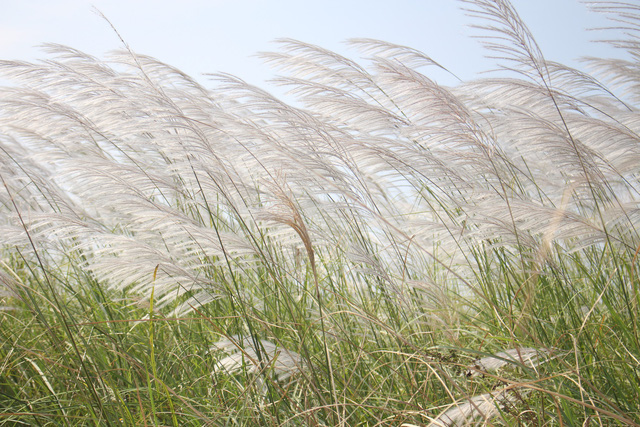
(154, 181)
(256, 356)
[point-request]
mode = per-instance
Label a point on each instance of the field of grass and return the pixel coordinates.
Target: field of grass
(387, 251)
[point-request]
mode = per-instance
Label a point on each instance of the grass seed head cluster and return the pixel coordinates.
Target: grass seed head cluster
(386, 251)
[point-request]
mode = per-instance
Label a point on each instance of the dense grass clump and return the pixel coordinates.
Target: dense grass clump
(387, 252)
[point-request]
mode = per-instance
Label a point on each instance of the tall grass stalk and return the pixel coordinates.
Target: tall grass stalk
(387, 251)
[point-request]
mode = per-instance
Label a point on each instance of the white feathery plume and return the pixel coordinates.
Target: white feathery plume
(258, 356)
(467, 412)
(530, 357)
(139, 166)
(8, 289)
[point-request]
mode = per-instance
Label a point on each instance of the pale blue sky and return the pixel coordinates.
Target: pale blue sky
(200, 36)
